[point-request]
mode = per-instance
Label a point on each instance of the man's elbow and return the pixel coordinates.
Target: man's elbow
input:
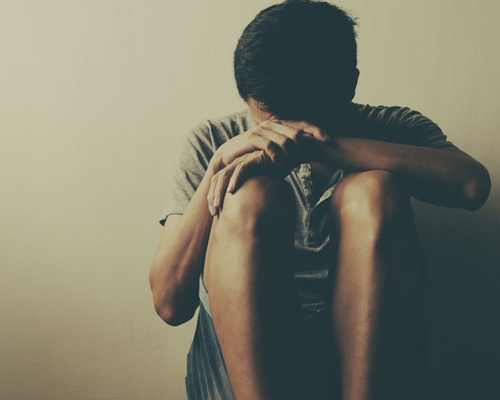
(171, 316)
(168, 316)
(477, 189)
(174, 309)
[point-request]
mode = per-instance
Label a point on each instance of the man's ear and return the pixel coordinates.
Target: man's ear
(353, 82)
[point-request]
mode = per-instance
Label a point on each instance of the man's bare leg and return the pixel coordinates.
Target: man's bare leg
(248, 278)
(377, 294)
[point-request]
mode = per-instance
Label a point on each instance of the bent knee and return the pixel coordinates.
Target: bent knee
(261, 202)
(373, 198)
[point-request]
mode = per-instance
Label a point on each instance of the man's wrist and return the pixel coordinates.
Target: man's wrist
(325, 152)
(216, 163)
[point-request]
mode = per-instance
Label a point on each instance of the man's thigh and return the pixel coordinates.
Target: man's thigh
(260, 197)
(372, 195)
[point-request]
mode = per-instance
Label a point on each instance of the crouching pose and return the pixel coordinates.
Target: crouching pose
(290, 225)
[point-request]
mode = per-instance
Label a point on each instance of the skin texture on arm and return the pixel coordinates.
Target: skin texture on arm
(180, 257)
(440, 177)
(449, 178)
(445, 177)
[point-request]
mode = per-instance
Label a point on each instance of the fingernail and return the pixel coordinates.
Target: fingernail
(216, 202)
(211, 209)
(230, 188)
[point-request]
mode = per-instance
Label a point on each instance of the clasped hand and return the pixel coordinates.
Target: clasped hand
(274, 147)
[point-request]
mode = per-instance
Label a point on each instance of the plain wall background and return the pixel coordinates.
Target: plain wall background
(94, 96)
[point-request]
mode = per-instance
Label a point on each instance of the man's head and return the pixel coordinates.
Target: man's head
(297, 60)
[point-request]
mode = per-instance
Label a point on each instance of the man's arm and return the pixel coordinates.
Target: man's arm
(179, 260)
(444, 177)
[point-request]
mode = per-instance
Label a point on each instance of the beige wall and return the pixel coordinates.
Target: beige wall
(93, 97)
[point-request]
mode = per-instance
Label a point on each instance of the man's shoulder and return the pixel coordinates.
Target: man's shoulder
(397, 124)
(369, 119)
(233, 123)
(367, 111)
(220, 129)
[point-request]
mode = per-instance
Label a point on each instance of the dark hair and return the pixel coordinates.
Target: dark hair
(297, 58)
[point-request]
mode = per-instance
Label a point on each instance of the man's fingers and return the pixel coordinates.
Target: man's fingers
(210, 195)
(287, 143)
(220, 189)
(308, 128)
(276, 126)
(272, 149)
(240, 173)
(243, 143)
(291, 133)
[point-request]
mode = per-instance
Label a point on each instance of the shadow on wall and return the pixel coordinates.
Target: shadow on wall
(462, 299)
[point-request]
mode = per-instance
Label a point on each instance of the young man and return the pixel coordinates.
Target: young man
(290, 224)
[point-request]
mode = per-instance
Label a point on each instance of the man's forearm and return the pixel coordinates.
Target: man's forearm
(179, 263)
(435, 176)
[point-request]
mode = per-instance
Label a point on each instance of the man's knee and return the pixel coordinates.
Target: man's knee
(373, 198)
(261, 204)
(374, 206)
(259, 217)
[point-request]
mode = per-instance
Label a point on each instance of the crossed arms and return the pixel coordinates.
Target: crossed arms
(445, 177)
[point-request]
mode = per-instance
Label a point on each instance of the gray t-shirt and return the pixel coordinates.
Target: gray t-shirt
(313, 257)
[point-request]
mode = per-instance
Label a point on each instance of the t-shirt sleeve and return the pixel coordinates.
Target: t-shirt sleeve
(191, 163)
(406, 126)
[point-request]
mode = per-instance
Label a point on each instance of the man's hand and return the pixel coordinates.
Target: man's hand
(304, 137)
(282, 143)
(231, 176)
